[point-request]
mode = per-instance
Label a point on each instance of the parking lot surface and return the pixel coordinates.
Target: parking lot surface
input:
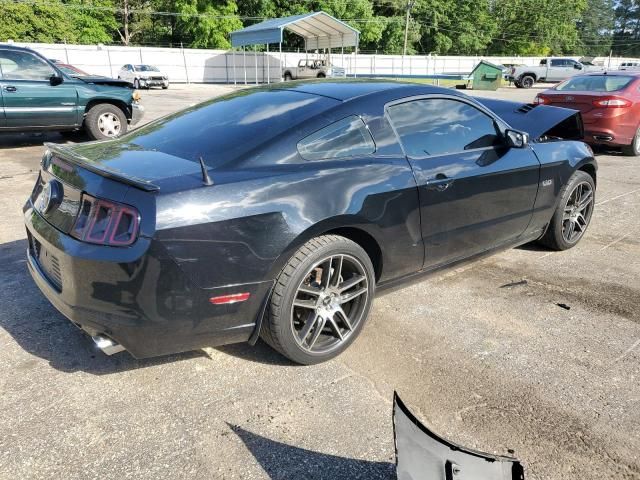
(531, 351)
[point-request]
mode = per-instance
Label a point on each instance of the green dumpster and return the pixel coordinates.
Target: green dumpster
(486, 76)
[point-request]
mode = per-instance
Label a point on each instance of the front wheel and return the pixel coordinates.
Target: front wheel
(321, 300)
(105, 121)
(287, 77)
(573, 213)
(633, 150)
(136, 84)
(321, 75)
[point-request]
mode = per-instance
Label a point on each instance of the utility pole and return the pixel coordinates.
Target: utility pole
(410, 4)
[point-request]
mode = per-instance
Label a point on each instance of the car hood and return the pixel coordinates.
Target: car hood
(537, 120)
(149, 74)
(98, 80)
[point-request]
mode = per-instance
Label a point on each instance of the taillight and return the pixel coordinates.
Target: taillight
(539, 100)
(106, 223)
(612, 102)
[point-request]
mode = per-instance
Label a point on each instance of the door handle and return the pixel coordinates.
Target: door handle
(439, 183)
(10, 88)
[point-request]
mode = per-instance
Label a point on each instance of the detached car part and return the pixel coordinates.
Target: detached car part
(423, 455)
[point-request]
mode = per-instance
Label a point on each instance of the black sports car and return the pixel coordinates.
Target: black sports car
(278, 212)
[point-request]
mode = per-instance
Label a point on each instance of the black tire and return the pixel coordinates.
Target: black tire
(164, 87)
(96, 129)
(556, 235)
(136, 84)
(633, 150)
(287, 77)
(527, 81)
(282, 318)
(517, 84)
(321, 75)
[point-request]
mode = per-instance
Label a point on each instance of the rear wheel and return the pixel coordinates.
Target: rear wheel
(105, 121)
(321, 75)
(136, 84)
(321, 300)
(287, 77)
(527, 81)
(633, 150)
(573, 214)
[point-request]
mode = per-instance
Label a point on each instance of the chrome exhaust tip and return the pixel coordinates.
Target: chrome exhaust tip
(108, 346)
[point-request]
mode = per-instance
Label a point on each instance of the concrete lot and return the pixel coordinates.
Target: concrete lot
(484, 354)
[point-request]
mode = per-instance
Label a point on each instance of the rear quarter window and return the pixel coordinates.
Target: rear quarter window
(348, 137)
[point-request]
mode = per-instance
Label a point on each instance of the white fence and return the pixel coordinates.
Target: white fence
(220, 66)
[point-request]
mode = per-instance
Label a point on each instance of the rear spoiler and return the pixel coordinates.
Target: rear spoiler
(538, 120)
(69, 155)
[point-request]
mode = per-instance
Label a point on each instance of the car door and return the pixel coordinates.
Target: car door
(30, 98)
(559, 69)
(475, 192)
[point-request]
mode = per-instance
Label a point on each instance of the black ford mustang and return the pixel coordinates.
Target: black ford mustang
(278, 212)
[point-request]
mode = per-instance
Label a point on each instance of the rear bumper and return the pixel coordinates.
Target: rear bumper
(610, 126)
(136, 296)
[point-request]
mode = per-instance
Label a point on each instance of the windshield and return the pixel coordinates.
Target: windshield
(596, 83)
(72, 71)
(146, 68)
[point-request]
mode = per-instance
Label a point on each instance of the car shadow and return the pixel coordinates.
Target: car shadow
(35, 139)
(281, 461)
(258, 353)
(41, 330)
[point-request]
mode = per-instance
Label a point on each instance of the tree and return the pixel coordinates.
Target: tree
(537, 27)
(207, 23)
(36, 22)
(93, 22)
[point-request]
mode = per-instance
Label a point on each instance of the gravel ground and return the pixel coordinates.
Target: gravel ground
(484, 354)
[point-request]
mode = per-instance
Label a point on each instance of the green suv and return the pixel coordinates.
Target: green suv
(36, 95)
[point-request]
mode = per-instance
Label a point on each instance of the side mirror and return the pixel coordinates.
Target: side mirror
(516, 139)
(577, 66)
(55, 79)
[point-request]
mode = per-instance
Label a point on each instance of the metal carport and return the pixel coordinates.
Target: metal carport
(319, 30)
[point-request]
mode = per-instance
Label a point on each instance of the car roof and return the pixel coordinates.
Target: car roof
(345, 90)
(9, 46)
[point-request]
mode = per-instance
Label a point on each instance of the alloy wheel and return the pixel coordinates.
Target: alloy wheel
(577, 212)
(109, 124)
(329, 303)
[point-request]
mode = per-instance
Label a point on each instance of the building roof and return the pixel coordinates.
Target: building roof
(319, 30)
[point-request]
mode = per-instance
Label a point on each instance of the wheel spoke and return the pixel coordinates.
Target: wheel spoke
(312, 319)
(318, 330)
(338, 272)
(585, 200)
(350, 296)
(335, 328)
(352, 282)
(345, 318)
(326, 272)
(309, 290)
(311, 304)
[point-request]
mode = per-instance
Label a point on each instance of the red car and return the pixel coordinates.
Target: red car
(609, 103)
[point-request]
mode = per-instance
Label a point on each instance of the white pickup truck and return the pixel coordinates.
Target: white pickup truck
(551, 69)
(312, 69)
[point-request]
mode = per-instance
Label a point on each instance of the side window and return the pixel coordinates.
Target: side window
(440, 126)
(345, 138)
(556, 62)
(18, 65)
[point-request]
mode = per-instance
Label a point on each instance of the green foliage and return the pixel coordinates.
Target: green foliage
(444, 27)
(212, 27)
